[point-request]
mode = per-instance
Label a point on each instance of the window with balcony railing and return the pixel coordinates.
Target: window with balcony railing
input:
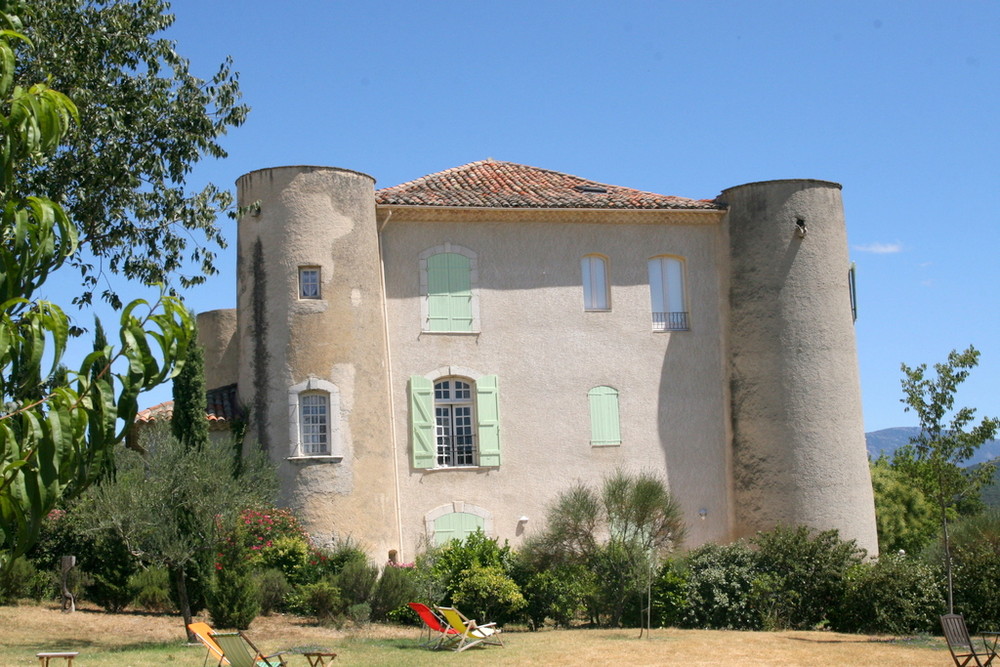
(667, 293)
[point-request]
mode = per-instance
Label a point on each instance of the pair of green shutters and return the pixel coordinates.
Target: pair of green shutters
(425, 424)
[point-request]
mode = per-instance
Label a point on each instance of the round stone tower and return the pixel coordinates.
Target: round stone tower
(799, 452)
(313, 373)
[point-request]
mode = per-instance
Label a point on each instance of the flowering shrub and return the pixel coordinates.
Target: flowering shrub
(267, 538)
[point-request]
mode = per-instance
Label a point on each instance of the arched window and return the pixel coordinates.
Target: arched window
(456, 421)
(448, 277)
(666, 291)
(594, 271)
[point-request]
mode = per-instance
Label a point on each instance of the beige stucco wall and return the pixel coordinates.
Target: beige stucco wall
(798, 439)
(548, 353)
(325, 217)
(217, 337)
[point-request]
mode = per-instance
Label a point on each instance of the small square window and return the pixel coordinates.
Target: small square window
(309, 282)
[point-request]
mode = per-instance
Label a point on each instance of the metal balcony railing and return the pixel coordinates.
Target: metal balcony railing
(677, 321)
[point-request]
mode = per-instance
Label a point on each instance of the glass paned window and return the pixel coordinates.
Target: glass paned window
(455, 424)
(595, 282)
(309, 282)
(315, 423)
(666, 291)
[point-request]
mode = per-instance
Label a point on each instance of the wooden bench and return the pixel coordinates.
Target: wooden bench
(43, 658)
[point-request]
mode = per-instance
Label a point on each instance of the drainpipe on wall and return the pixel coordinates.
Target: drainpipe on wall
(392, 400)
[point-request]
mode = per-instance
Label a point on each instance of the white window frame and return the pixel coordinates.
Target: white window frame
(668, 293)
(456, 432)
(306, 283)
(473, 286)
(594, 278)
(313, 387)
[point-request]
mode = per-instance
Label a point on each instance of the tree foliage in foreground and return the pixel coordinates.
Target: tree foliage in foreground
(620, 533)
(57, 431)
(906, 520)
(144, 121)
(935, 460)
(171, 504)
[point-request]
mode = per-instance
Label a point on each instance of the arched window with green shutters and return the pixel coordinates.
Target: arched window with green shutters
(456, 525)
(605, 428)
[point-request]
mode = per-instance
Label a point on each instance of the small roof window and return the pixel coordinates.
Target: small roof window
(596, 189)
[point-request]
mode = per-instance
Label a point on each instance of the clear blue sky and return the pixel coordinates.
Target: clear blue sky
(897, 101)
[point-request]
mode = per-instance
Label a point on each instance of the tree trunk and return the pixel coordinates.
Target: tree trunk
(182, 599)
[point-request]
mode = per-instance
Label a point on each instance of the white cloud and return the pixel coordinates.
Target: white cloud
(880, 248)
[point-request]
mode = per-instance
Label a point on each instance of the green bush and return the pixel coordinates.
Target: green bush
(802, 576)
(234, 600)
(322, 600)
(558, 593)
(324, 563)
(360, 613)
(110, 565)
(670, 595)
(476, 550)
(720, 583)
(894, 595)
(394, 589)
(150, 589)
(975, 554)
(488, 594)
(357, 581)
(622, 572)
(274, 589)
(288, 555)
(22, 580)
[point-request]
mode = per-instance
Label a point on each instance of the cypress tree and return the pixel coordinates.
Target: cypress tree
(189, 424)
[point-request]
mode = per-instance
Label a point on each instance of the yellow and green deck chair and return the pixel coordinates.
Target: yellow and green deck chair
(470, 632)
(240, 651)
(203, 632)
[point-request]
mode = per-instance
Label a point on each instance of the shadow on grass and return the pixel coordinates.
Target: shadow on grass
(917, 641)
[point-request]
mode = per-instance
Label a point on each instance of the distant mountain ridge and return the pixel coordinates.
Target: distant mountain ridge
(888, 440)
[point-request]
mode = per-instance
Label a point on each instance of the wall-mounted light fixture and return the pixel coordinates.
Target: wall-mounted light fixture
(523, 519)
(800, 227)
(702, 513)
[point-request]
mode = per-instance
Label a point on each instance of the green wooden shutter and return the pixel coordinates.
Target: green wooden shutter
(604, 422)
(449, 292)
(423, 423)
(456, 525)
(488, 418)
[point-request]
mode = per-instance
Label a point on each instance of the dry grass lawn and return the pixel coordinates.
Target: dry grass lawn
(142, 640)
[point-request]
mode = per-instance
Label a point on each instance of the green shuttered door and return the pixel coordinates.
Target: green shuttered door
(457, 525)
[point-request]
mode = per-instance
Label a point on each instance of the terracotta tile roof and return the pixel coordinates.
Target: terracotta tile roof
(494, 184)
(222, 406)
